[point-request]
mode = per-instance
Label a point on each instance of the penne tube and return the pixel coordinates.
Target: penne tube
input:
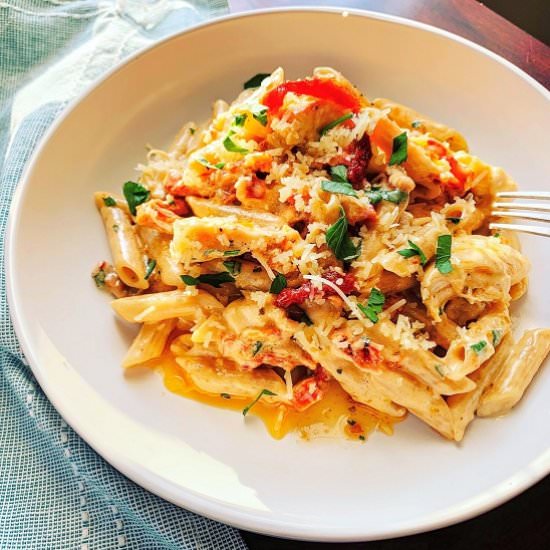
(463, 406)
(149, 343)
(418, 398)
(128, 257)
(206, 207)
(405, 117)
(158, 248)
(183, 304)
(516, 374)
(214, 376)
(355, 381)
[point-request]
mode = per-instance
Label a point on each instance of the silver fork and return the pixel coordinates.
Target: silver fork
(532, 210)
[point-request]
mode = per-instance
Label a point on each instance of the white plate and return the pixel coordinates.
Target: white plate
(210, 460)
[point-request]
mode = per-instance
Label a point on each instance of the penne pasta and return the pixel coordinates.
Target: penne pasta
(149, 343)
(125, 248)
(327, 255)
(516, 374)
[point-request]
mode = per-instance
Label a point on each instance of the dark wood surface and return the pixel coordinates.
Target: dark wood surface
(524, 522)
(467, 18)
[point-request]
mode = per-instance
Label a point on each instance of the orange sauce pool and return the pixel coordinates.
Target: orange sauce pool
(335, 415)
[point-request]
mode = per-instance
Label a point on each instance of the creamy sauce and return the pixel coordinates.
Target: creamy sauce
(335, 415)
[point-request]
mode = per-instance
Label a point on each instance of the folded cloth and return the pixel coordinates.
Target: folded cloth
(55, 491)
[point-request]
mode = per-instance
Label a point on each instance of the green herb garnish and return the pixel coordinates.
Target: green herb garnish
(443, 254)
(479, 346)
(331, 125)
(231, 252)
(497, 336)
(439, 370)
(351, 422)
(240, 119)
(255, 81)
(261, 116)
(192, 131)
(362, 438)
(416, 123)
(413, 250)
(233, 267)
(217, 166)
(339, 241)
(231, 146)
(135, 194)
(374, 305)
(99, 278)
(454, 220)
(151, 264)
(225, 395)
(256, 348)
(278, 284)
(258, 397)
(399, 149)
(339, 173)
(376, 195)
(213, 279)
(340, 187)
(109, 201)
(116, 227)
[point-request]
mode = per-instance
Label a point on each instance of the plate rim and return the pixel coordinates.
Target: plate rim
(185, 498)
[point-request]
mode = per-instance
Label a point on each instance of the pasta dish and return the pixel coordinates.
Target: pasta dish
(310, 253)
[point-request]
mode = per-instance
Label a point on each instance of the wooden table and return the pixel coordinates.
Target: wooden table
(523, 522)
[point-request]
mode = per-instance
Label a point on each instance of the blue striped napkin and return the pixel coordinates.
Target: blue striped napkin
(55, 491)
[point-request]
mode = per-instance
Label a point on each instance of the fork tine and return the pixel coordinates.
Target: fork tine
(522, 206)
(532, 229)
(543, 195)
(523, 215)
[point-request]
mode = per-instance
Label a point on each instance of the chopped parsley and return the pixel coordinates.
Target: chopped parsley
(109, 201)
(443, 254)
(116, 227)
(331, 125)
(376, 195)
(240, 119)
(351, 422)
(213, 279)
(343, 188)
(278, 284)
(416, 123)
(225, 395)
(362, 438)
(261, 116)
(256, 348)
(339, 241)
(399, 149)
(413, 250)
(439, 370)
(217, 166)
(374, 305)
(478, 347)
(339, 173)
(231, 252)
(339, 183)
(231, 146)
(233, 267)
(497, 336)
(135, 194)
(454, 219)
(192, 131)
(256, 399)
(255, 81)
(151, 264)
(99, 278)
